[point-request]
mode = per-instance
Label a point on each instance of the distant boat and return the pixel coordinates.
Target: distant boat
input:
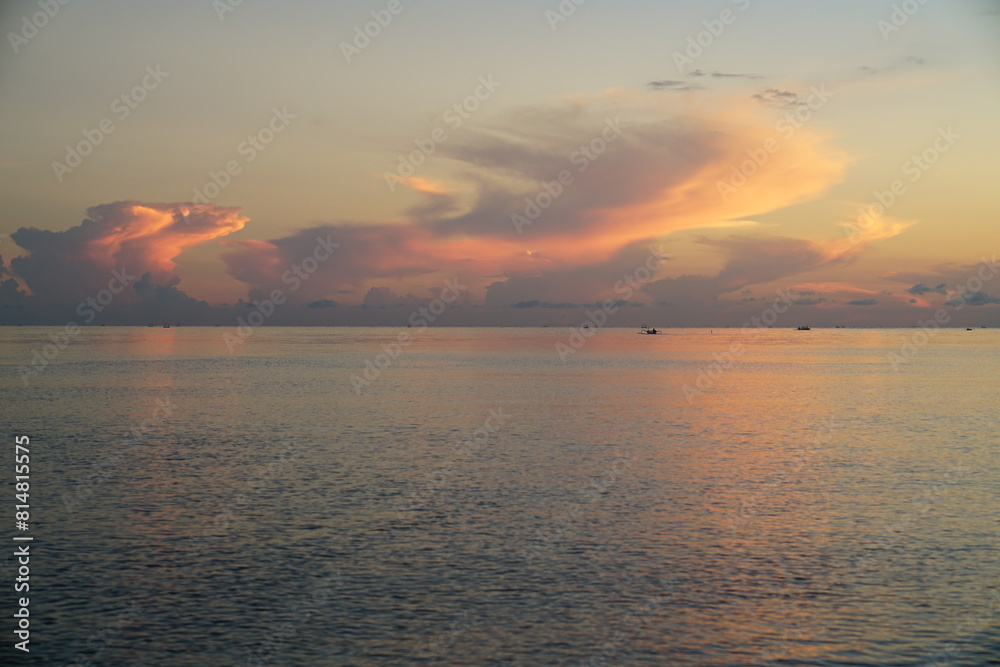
(166, 326)
(969, 329)
(804, 328)
(648, 330)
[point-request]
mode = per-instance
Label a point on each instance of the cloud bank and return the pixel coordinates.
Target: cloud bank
(545, 209)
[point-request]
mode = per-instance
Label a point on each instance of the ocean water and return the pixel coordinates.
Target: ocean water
(695, 498)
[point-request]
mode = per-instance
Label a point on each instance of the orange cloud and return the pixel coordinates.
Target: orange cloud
(130, 236)
(555, 189)
(553, 202)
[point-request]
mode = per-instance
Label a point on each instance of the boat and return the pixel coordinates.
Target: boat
(166, 326)
(969, 329)
(649, 331)
(804, 328)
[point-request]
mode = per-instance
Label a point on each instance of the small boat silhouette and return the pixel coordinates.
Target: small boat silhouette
(804, 328)
(649, 331)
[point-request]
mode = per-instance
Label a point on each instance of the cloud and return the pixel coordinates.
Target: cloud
(381, 297)
(904, 63)
(162, 295)
(725, 75)
(920, 289)
(322, 303)
(11, 294)
(754, 260)
(961, 277)
(128, 236)
(783, 99)
(366, 253)
(680, 86)
(635, 172)
(851, 295)
(974, 299)
(598, 180)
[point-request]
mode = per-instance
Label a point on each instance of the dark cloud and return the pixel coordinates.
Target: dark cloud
(863, 302)
(322, 303)
(11, 295)
(920, 289)
(575, 284)
(381, 297)
(751, 260)
(680, 86)
(376, 251)
(974, 299)
(725, 75)
(783, 99)
(163, 295)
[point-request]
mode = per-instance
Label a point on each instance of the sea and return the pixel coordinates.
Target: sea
(502, 496)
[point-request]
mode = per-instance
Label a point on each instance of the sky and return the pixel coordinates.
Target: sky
(670, 163)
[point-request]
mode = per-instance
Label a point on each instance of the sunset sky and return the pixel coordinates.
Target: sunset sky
(843, 154)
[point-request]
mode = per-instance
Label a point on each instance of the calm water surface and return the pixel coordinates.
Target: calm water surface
(484, 502)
